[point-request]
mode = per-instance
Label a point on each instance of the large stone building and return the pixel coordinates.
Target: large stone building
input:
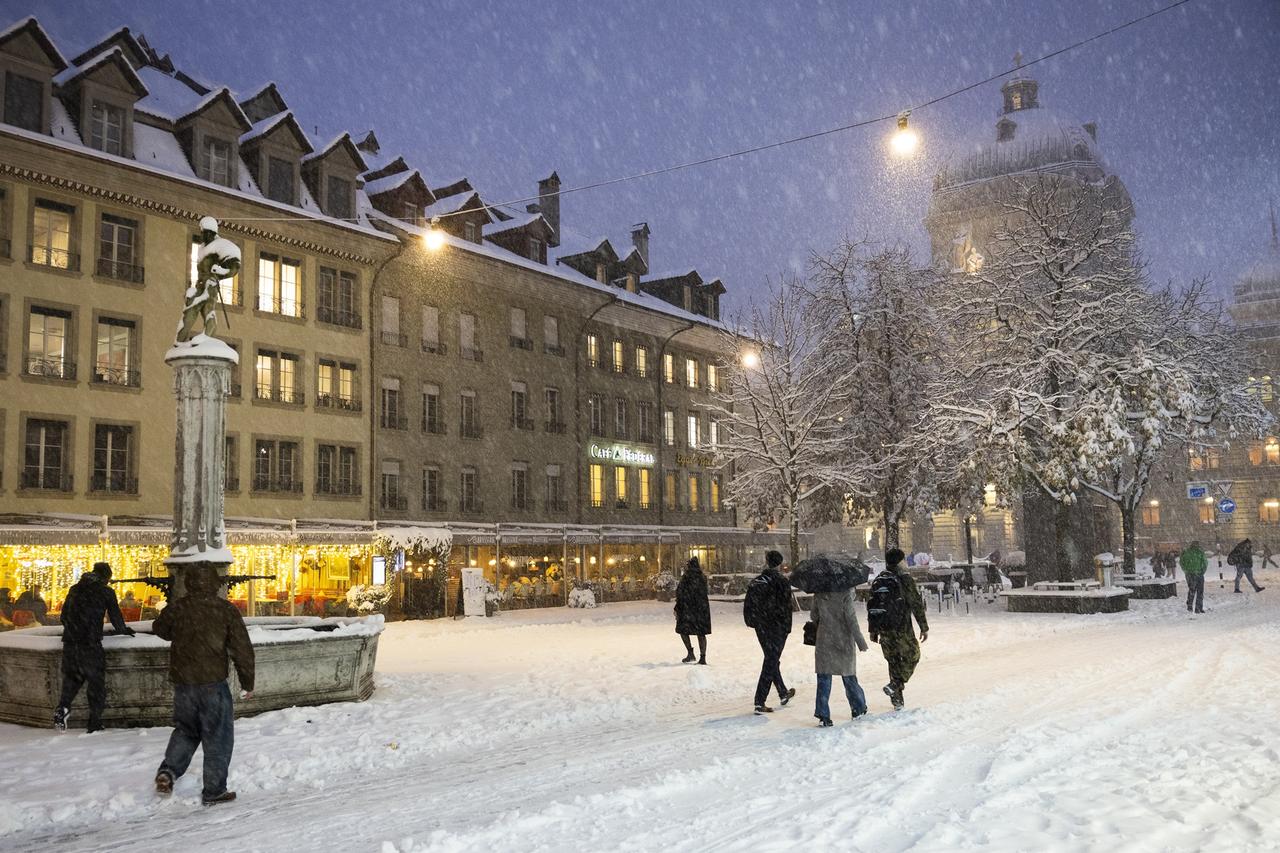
(545, 398)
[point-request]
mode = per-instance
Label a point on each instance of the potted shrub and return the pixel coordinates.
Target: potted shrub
(664, 586)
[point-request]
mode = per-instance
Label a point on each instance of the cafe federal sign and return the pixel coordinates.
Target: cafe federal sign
(621, 454)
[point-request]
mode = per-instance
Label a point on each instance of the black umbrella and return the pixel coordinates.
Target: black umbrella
(829, 573)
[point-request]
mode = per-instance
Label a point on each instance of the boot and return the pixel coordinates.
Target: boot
(164, 783)
(689, 658)
(60, 717)
(224, 797)
(825, 722)
(788, 696)
(763, 709)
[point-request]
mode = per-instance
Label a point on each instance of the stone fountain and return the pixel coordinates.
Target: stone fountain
(300, 660)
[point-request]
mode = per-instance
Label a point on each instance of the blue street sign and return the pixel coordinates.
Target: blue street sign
(1226, 505)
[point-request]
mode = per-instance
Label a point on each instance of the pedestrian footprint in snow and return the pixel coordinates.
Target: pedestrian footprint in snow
(767, 608)
(1241, 557)
(837, 634)
(693, 610)
(894, 599)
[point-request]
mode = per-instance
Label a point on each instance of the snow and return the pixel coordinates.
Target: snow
(577, 729)
(414, 539)
(203, 346)
(160, 148)
(449, 204)
(168, 97)
(387, 183)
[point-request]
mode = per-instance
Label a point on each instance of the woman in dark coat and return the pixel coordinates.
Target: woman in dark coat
(693, 610)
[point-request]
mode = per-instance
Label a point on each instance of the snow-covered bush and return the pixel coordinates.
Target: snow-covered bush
(664, 582)
(582, 596)
(369, 598)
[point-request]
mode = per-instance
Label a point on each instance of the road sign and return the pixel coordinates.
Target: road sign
(1223, 487)
(1197, 491)
(1226, 505)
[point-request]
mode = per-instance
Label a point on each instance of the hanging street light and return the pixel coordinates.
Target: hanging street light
(905, 139)
(434, 238)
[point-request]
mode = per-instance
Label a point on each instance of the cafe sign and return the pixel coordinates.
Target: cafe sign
(695, 460)
(621, 453)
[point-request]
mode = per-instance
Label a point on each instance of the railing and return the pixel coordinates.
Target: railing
(284, 307)
(234, 390)
(522, 343)
(113, 484)
(339, 317)
(640, 372)
(646, 505)
(396, 503)
(59, 259)
(522, 504)
(51, 368)
(395, 339)
(554, 427)
(471, 507)
(645, 437)
(556, 505)
(593, 362)
(596, 431)
(522, 423)
(40, 478)
(434, 504)
(435, 348)
(472, 354)
(621, 503)
(435, 427)
(277, 485)
(553, 349)
(343, 488)
(116, 376)
(620, 434)
(597, 503)
(473, 431)
(120, 271)
(280, 395)
(392, 421)
(231, 484)
(333, 401)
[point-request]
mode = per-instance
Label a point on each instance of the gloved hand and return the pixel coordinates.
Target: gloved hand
(129, 632)
(875, 638)
(862, 645)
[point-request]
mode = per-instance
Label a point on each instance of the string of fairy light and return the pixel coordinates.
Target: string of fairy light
(903, 142)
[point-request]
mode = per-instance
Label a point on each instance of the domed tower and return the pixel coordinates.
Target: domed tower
(1027, 139)
(1256, 299)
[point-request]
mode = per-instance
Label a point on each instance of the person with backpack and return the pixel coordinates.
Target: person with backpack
(83, 659)
(1194, 563)
(1241, 557)
(767, 609)
(693, 610)
(893, 600)
(836, 635)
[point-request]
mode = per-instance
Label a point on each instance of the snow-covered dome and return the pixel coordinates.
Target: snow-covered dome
(1261, 279)
(1027, 137)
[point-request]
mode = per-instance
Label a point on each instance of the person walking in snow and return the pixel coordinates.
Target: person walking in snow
(693, 610)
(893, 601)
(1194, 563)
(203, 630)
(83, 659)
(767, 609)
(1266, 557)
(833, 653)
(1241, 557)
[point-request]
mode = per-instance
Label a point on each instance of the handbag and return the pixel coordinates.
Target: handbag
(811, 633)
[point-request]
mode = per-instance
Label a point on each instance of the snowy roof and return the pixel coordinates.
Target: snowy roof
(450, 204)
(270, 123)
(387, 183)
(669, 275)
(343, 138)
(167, 97)
(69, 75)
(513, 221)
(160, 148)
(46, 43)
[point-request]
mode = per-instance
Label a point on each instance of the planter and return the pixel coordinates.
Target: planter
(1151, 588)
(1085, 601)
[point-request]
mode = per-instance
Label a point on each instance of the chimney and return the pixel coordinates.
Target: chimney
(549, 204)
(640, 239)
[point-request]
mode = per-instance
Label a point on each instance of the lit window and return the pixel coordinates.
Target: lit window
(668, 368)
(642, 362)
(691, 372)
(593, 351)
(669, 427)
(694, 433)
(619, 364)
(1151, 514)
(646, 499)
(693, 492)
(620, 485)
(279, 286)
(1269, 512)
(715, 494)
(989, 497)
(1208, 514)
(713, 378)
(597, 486)
(51, 235)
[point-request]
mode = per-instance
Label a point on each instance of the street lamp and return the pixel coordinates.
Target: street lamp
(750, 360)
(434, 238)
(905, 140)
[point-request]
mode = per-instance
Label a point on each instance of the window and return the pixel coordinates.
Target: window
(432, 417)
(389, 497)
(47, 332)
(555, 489)
(693, 492)
(276, 377)
(620, 417)
(645, 417)
(669, 427)
(112, 460)
(535, 249)
(24, 102)
(468, 416)
(1151, 514)
(554, 423)
(519, 328)
(336, 470)
(118, 248)
(642, 362)
(1267, 451)
(619, 362)
(551, 336)
(646, 495)
(230, 287)
(431, 329)
(231, 482)
(467, 337)
(602, 273)
(670, 498)
(336, 298)
(469, 232)
(694, 431)
(392, 416)
(597, 486)
(713, 377)
(106, 128)
(593, 350)
(713, 432)
(668, 368)
(339, 198)
(467, 488)
(1206, 458)
(113, 359)
(520, 406)
(276, 466)
(44, 456)
(595, 408)
(51, 235)
(279, 285)
(691, 372)
(1269, 511)
(520, 486)
(620, 486)
(1208, 513)
(715, 494)
(336, 385)
(431, 500)
(391, 322)
(280, 181)
(215, 160)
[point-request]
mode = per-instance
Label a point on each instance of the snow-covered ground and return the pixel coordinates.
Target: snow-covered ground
(579, 730)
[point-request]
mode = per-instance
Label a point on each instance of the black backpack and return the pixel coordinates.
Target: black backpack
(754, 603)
(887, 605)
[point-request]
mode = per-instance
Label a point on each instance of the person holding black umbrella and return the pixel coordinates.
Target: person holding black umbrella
(693, 610)
(837, 633)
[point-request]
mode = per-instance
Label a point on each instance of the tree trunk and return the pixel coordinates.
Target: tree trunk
(1061, 534)
(795, 531)
(1126, 533)
(968, 539)
(892, 528)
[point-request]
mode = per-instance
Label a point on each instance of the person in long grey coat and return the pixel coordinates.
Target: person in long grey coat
(838, 635)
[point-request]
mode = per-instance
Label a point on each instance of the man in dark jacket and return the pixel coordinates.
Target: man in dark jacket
(83, 659)
(900, 648)
(203, 629)
(32, 602)
(1241, 557)
(768, 610)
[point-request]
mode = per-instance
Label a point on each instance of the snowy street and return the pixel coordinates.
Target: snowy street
(559, 729)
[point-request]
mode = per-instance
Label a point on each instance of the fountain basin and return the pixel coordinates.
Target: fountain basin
(302, 660)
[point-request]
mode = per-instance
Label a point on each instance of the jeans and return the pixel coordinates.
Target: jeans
(1195, 592)
(83, 662)
(852, 691)
(202, 716)
(772, 644)
(1246, 572)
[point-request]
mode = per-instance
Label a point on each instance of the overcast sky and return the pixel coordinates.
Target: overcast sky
(1188, 105)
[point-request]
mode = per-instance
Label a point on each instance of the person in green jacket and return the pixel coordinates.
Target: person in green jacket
(1193, 567)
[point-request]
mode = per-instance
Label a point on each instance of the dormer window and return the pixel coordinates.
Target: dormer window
(412, 211)
(535, 249)
(469, 231)
(106, 128)
(24, 102)
(1016, 100)
(338, 198)
(602, 275)
(280, 181)
(215, 160)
